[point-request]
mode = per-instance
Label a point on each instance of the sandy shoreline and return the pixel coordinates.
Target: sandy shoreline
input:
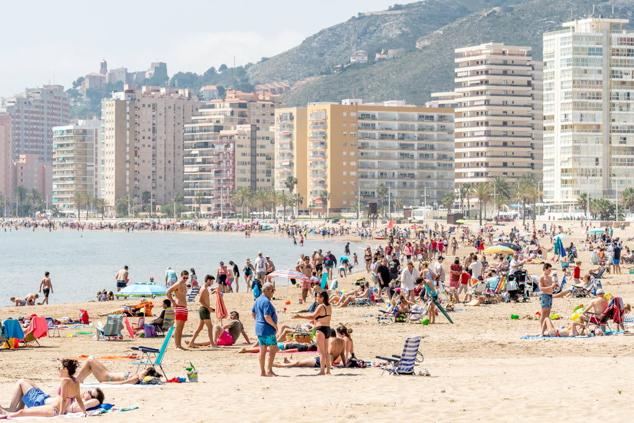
(480, 369)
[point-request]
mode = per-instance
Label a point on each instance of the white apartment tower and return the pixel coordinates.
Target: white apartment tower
(228, 145)
(141, 150)
(74, 163)
(588, 110)
(495, 118)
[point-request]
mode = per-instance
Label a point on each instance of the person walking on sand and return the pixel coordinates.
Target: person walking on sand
(177, 294)
(46, 287)
(204, 312)
(546, 286)
(265, 317)
(170, 277)
(122, 277)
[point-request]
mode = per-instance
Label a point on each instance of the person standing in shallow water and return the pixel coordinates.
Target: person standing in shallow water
(46, 287)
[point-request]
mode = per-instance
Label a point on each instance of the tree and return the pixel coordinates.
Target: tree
(285, 200)
(78, 200)
(100, 206)
(463, 194)
(528, 192)
(582, 202)
(122, 207)
(602, 208)
(290, 183)
(381, 193)
(298, 199)
(502, 192)
(241, 198)
(447, 201)
(324, 196)
(627, 198)
(482, 191)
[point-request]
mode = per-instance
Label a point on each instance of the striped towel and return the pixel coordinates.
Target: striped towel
(193, 292)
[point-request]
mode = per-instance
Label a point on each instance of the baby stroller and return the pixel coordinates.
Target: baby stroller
(516, 286)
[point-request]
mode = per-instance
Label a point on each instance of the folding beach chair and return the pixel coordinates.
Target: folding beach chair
(11, 329)
(38, 328)
(128, 327)
(405, 363)
(112, 329)
(53, 328)
(153, 356)
(168, 321)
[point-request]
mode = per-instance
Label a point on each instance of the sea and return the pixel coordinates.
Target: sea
(82, 263)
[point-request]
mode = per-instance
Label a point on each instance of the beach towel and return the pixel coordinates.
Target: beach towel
(128, 327)
(221, 309)
(12, 329)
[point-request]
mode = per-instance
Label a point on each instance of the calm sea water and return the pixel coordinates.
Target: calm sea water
(81, 263)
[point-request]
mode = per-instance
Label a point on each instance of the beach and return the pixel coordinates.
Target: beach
(480, 368)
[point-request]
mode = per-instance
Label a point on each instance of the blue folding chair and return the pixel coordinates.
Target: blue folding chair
(153, 356)
(405, 363)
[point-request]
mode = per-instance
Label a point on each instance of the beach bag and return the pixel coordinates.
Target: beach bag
(149, 331)
(83, 317)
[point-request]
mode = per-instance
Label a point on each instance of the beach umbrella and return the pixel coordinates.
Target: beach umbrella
(142, 290)
(288, 274)
(221, 309)
(596, 231)
(344, 258)
(498, 249)
(558, 247)
(512, 246)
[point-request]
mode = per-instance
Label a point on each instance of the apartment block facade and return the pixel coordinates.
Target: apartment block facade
(497, 114)
(141, 148)
(74, 163)
(6, 158)
(228, 145)
(33, 116)
(354, 148)
(588, 110)
(291, 155)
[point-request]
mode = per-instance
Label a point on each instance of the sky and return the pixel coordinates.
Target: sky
(44, 41)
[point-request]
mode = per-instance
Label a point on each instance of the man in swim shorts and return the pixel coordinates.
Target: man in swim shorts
(177, 294)
(122, 278)
(46, 287)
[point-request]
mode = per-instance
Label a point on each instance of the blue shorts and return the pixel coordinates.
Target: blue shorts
(267, 341)
(34, 397)
(616, 262)
(546, 300)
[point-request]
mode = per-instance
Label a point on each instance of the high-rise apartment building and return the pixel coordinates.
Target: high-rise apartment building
(228, 145)
(6, 158)
(74, 163)
(497, 113)
(588, 110)
(354, 148)
(31, 173)
(291, 156)
(141, 148)
(33, 116)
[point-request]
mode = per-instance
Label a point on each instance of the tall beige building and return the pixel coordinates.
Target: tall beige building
(355, 148)
(228, 145)
(31, 173)
(291, 155)
(495, 113)
(6, 158)
(74, 163)
(588, 111)
(141, 150)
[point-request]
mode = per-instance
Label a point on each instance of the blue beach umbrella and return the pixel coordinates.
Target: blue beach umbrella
(596, 231)
(142, 290)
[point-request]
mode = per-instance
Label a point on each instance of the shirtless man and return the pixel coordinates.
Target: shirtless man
(46, 286)
(546, 286)
(177, 294)
(122, 278)
(595, 309)
(204, 312)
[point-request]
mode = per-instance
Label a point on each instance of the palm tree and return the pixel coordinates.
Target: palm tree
(100, 206)
(241, 198)
(627, 197)
(78, 200)
(290, 183)
(582, 202)
(325, 196)
(285, 200)
(528, 192)
(381, 192)
(482, 191)
(447, 201)
(502, 192)
(463, 193)
(298, 200)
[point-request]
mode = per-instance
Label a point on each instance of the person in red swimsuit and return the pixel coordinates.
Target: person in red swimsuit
(177, 294)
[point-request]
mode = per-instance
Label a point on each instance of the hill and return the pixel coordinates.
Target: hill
(417, 73)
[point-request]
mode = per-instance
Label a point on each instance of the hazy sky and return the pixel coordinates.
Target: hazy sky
(44, 41)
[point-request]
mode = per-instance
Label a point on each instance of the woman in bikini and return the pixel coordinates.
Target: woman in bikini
(70, 398)
(101, 373)
(321, 318)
